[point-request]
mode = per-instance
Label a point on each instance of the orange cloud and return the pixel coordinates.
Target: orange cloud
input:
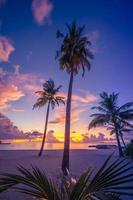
(79, 104)
(6, 48)
(41, 10)
(16, 109)
(85, 99)
(13, 86)
(8, 92)
(60, 116)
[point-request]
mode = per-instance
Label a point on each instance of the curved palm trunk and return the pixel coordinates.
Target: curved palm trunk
(118, 142)
(65, 161)
(45, 131)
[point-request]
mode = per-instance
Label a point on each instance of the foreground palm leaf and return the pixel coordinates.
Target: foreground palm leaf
(113, 179)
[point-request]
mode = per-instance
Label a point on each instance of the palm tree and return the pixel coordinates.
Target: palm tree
(109, 114)
(109, 182)
(48, 96)
(122, 129)
(74, 54)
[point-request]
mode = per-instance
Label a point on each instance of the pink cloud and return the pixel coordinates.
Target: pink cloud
(6, 48)
(60, 116)
(41, 10)
(8, 93)
(79, 104)
(15, 85)
(84, 99)
(16, 109)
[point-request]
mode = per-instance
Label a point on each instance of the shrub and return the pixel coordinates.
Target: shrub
(129, 150)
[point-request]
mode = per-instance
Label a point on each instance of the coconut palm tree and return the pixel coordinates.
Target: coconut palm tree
(109, 113)
(113, 179)
(74, 54)
(48, 96)
(122, 129)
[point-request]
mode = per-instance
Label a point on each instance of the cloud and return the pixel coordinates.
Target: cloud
(93, 138)
(6, 48)
(33, 134)
(2, 2)
(2, 72)
(79, 105)
(60, 118)
(41, 10)
(94, 37)
(14, 86)
(50, 138)
(8, 130)
(8, 92)
(16, 109)
(85, 99)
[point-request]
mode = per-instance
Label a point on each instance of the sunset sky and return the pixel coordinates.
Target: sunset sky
(28, 47)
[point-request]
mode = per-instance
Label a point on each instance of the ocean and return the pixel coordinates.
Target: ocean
(34, 145)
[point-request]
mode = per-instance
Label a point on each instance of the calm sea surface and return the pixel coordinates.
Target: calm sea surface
(26, 144)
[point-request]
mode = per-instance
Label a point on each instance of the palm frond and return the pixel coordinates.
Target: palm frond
(48, 94)
(113, 179)
(40, 102)
(74, 53)
(126, 106)
(99, 120)
(36, 182)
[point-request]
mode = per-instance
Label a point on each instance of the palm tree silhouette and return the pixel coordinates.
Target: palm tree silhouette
(74, 54)
(122, 129)
(109, 114)
(48, 96)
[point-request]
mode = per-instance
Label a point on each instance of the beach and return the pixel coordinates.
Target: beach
(50, 162)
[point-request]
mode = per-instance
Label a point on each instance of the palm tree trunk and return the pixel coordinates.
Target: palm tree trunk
(45, 131)
(118, 142)
(122, 139)
(65, 160)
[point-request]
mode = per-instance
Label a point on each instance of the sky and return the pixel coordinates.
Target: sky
(28, 47)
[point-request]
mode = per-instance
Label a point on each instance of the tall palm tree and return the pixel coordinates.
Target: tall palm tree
(109, 182)
(122, 129)
(74, 54)
(48, 96)
(109, 114)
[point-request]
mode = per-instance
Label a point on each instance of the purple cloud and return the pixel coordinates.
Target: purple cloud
(6, 48)
(41, 10)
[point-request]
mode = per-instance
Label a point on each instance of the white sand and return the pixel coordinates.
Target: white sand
(80, 160)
